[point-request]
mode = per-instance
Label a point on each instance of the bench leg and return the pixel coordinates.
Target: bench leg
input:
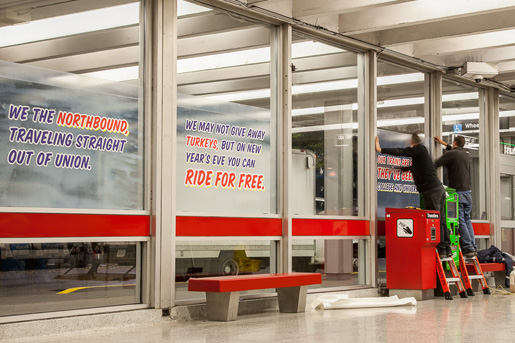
(222, 306)
(292, 299)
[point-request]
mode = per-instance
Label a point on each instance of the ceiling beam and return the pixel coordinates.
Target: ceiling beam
(462, 44)
(442, 29)
(252, 37)
(505, 78)
(420, 11)
(506, 67)
(71, 45)
(220, 74)
(95, 61)
(207, 23)
(53, 8)
(491, 55)
(325, 75)
(262, 2)
(303, 9)
(334, 62)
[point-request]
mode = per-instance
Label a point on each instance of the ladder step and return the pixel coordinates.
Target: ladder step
(453, 279)
(469, 258)
(472, 277)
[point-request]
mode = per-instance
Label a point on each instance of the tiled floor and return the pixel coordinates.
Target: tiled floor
(483, 318)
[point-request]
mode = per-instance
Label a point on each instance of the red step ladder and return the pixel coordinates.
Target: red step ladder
(445, 281)
(478, 276)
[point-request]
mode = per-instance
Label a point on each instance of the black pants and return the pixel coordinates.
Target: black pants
(434, 199)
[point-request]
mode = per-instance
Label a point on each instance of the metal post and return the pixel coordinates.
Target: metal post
(284, 118)
(368, 104)
(164, 113)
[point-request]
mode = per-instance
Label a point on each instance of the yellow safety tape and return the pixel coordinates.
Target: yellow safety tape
(71, 290)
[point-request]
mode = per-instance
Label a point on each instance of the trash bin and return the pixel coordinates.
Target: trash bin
(411, 239)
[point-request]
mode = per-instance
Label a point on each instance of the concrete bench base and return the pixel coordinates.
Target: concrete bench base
(224, 306)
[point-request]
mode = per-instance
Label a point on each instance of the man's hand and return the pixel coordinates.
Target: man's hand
(440, 140)
(378, 147)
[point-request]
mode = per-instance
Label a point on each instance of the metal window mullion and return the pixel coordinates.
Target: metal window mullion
(164, 116)
(492, 159)
(435, 110)
(369, 101)
(285, 125)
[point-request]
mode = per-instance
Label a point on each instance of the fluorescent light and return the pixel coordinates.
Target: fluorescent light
(323, 109)
(119, 74)
(249, 95)
(318, 87)
(306, 49)
(315, 128)
(324, 86)
(70, 24)
(399, 79)
(465, 116)
(229, 59)
(506, 113)
(460, 96)
(400, 121)
(401, 102)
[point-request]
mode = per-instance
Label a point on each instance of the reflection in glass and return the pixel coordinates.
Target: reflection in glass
(324, 129)
(508, 240)
(507, 125)
(507, 203)
(224, 66)
(401, 110)
(400, 99)
(196, 259)
(460, 116)
(46, 277)
(338, 260)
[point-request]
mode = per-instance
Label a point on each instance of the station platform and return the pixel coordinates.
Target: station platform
(475, 319)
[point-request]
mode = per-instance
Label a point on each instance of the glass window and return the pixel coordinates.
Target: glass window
(460, 116)
(325, 129)
(401, 95)
(507, 200)
(71, 136)
(508, 240)
(47, 277)
(226, 140)
(340, 261)
(226, 129)
(507, 125)
(221, 258)
(71, 124)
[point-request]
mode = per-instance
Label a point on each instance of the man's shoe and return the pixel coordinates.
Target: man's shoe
(444, 254)
(469, 253)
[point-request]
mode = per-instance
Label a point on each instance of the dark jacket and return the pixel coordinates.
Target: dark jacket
(422, 167)
(494, 255)
(457, 162)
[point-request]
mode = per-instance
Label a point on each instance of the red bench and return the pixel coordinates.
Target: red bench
(499, 270)
(222, 293)
(487, 267)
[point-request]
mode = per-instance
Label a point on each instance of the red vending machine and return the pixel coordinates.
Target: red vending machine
(411, 239)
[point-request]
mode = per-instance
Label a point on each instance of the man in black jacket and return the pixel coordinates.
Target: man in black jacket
(457, 162)
(427, 183)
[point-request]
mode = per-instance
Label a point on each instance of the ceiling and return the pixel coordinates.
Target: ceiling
(444, 33)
